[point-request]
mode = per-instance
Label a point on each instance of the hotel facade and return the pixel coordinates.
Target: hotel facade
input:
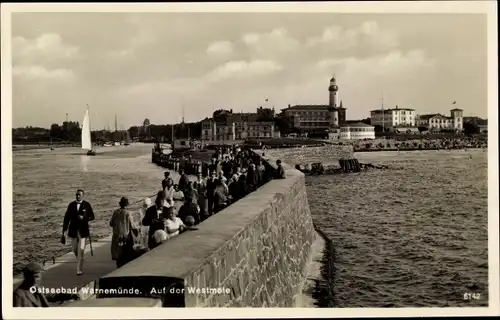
(229, 126)
(437, 122)
(393, 118)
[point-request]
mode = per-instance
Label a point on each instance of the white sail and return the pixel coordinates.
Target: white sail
(86, 140)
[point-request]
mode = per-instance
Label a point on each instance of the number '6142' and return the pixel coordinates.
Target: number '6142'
(472, 296)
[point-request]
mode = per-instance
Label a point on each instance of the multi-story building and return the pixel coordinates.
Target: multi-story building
(390, 119)
(437, 122)
(330, 117)
(315, 117)
(226, 126)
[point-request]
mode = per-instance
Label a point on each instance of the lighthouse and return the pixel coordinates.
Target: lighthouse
(332, 107)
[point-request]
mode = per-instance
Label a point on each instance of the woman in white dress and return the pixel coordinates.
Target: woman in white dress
(173, 224)
(143, 237)
(169, 193)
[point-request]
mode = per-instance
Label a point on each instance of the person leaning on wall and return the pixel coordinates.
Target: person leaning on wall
(280, 172)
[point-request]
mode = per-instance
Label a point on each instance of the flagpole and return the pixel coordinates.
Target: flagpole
(383, 114)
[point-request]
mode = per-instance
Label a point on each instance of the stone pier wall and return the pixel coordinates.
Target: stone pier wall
(252, 254)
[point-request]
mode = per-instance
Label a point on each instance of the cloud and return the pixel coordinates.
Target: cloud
(37, 72)
(220, 47)
(244, 69)
(395, 62)
(396, 73)
(270, 45)
(47, 46)
(368, 35)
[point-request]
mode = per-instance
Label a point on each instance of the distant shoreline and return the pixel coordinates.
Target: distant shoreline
(413, 149)
(20, 147)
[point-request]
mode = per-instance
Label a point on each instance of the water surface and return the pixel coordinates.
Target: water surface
(412, 236)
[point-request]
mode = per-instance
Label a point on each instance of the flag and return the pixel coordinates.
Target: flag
(267, 100)
(454, 102)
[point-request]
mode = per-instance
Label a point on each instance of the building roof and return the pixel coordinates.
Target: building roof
(434, 115)
(243, 117)
(457, 109)
(357, 125)
(391, 109)
(307, 106)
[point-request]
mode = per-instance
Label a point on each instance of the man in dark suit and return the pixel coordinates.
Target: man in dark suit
(27, 294)
(76, 222)
(189, 208)
(153, 216)
(183, 181)
(165, 182)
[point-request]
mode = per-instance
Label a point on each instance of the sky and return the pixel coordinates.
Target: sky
(155, 65)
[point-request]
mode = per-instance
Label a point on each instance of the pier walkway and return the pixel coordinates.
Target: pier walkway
(62, 274)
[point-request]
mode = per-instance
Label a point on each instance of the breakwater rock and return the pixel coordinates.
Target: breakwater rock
(254, 253)
(419, 144)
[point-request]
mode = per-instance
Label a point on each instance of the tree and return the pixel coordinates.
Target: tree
(55, 131)
(471, 128)
(285, 124)
(367, 121)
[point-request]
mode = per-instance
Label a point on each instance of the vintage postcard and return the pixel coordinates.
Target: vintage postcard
(236, 160)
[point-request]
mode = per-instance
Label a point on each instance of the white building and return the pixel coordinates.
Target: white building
(437, 122)
(391, 118)
(357, 131)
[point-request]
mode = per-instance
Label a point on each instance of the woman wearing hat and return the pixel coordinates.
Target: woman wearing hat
(122, 241)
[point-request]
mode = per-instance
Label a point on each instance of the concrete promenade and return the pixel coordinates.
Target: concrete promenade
(62, 274)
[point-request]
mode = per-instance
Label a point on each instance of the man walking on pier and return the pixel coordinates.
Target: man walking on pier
(76, 222)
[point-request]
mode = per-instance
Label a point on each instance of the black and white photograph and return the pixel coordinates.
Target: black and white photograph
(293, 158)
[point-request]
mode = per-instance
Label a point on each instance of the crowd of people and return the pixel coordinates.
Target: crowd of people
(232, 174)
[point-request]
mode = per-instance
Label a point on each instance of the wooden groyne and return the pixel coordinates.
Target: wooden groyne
(345, 166)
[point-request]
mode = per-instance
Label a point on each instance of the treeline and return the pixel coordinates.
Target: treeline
(164, 132)
(70, 132)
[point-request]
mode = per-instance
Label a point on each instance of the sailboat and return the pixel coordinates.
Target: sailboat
(86, 137)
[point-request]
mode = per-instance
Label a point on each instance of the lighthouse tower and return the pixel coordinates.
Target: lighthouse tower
(332, 107)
